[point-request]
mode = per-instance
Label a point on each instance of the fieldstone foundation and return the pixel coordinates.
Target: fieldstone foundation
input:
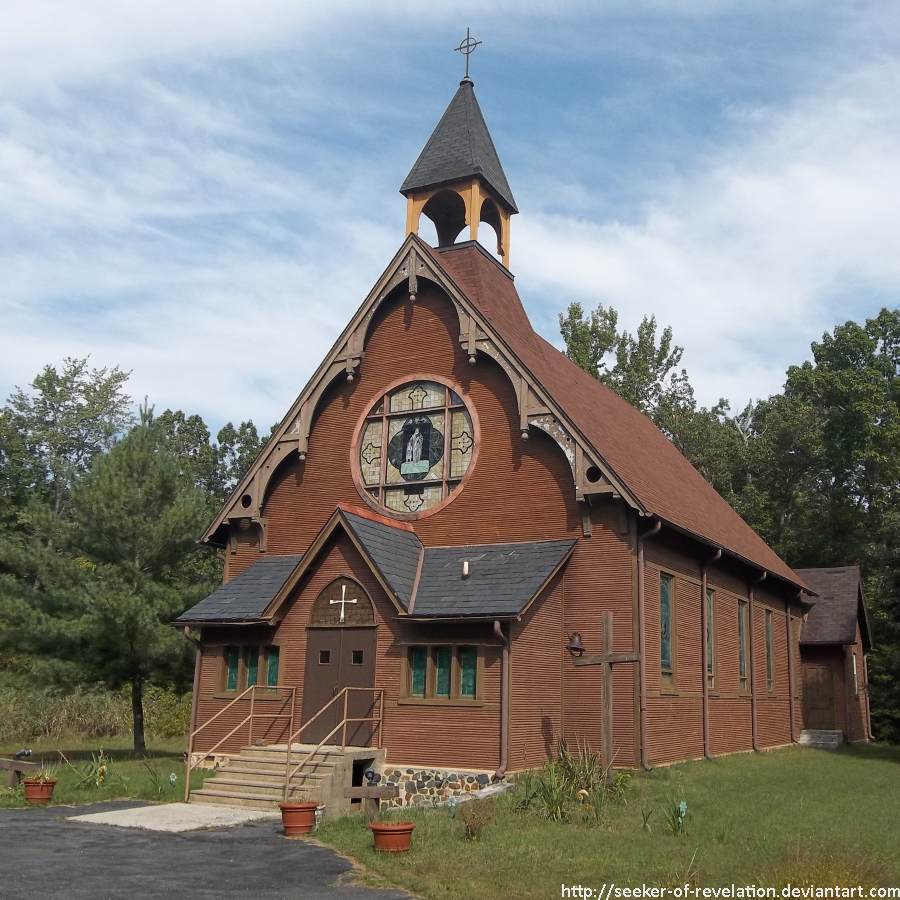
(426, 787)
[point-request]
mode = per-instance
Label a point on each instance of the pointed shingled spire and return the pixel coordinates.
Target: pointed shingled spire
(460, 147)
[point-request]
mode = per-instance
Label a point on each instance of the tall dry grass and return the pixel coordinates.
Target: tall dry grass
(29, 713)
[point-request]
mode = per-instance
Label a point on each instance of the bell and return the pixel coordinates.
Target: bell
(575, 647)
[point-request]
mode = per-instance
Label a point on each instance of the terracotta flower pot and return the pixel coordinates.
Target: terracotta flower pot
(37, 791)
(392, 837)
(298, 818)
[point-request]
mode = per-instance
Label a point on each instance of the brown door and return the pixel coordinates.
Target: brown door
(818, 696)
(337, 658)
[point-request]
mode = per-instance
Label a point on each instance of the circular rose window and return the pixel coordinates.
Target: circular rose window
(416, 444)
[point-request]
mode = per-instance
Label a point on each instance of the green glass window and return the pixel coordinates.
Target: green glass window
(272, 657)
(468, 669)
(232, 658)
(742, 643)
(665, 621)
(252, 665)
(710, 637)
(770, 673)
(442, 659)
(418, 662)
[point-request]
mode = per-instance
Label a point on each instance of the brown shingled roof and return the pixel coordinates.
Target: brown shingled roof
(640, 455)
(838, 608)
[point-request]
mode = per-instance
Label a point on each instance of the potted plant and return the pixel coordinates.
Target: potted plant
(39, 787)
(391, 836)
(298, 818)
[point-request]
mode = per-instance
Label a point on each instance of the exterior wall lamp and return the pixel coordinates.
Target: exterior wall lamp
(575, 647)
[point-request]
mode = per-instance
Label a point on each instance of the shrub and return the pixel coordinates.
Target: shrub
(474, 815)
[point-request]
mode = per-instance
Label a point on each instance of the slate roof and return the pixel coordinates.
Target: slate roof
(641, 456)
(394, 551)
(838, 608)
(503, 578)
(247, 595)
(459, 147)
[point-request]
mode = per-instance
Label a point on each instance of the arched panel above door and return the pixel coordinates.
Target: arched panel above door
(343, 603)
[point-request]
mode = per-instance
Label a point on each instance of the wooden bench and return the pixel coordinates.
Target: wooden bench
(15, 769)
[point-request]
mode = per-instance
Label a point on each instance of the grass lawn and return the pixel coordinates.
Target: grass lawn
(125, 777)
(768, 818)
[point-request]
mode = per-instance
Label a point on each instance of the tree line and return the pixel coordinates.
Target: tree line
(815, 469)
(100, 510)
(100, 507)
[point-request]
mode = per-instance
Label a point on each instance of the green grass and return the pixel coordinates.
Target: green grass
(766, 818)
(125, 777)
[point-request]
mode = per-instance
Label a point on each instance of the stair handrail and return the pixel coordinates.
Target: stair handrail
(343, 693)
(190, 765)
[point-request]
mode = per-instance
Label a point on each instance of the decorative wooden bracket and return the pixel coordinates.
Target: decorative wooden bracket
(261, 523)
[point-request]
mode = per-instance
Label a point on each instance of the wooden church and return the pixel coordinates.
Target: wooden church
(459, 548)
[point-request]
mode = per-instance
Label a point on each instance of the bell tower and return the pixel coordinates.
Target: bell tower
(458, 181)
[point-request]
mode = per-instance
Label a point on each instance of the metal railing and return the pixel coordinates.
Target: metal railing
(344, 693)
(284, 693)
(377, 720)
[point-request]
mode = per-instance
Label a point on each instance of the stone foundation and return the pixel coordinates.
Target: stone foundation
(426, 787)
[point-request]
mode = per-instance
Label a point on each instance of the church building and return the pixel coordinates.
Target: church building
(452, 524)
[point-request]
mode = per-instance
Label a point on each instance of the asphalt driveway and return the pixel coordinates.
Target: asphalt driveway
(44, 856)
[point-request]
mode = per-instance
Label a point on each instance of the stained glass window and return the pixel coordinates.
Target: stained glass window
(232, 656)
(418, 663)
(415, 447)
(272, 667)
(442, 659)
(665, 621)
(468, 669)
(710, 638)
(770, 666)
(252, 665)
(742, 643)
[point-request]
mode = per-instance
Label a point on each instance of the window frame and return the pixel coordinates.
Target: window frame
(770, 654)
(430, 697)
(855, 676)
(450, 486)
(244, 652)
(743, 635)
(668, 676)
(711, 639)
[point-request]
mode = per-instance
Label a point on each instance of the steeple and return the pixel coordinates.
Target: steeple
(458, 181)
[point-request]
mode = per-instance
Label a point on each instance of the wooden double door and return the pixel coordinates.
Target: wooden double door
(337, 658)
(818, 697)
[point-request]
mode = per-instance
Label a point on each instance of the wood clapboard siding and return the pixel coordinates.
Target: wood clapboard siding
(538, 647)
(730, 730)
(509, 475)
(599, 577)
(435, 735)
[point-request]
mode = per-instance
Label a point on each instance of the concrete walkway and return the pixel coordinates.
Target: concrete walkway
(176, 817)
(45, 853)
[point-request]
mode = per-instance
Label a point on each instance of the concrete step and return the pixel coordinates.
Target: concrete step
(277, 766)
(268, 789)
(821, 740)
(248, 798)
(264, 777)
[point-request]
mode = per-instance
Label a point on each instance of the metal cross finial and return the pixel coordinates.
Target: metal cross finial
(467, 47)
(342, 601)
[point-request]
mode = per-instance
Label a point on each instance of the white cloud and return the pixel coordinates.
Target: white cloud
(757, 251)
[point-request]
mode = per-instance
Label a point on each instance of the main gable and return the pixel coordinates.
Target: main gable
(612, 449)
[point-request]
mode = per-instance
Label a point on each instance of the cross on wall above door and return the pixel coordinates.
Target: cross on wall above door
(343, 601)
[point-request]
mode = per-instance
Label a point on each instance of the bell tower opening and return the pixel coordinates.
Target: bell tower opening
(458, 182)
(448, 212)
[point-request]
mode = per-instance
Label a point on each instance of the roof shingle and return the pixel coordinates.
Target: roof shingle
(459, 147)
(838, 607)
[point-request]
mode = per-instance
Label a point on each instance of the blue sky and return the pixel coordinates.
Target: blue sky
(203, 192)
